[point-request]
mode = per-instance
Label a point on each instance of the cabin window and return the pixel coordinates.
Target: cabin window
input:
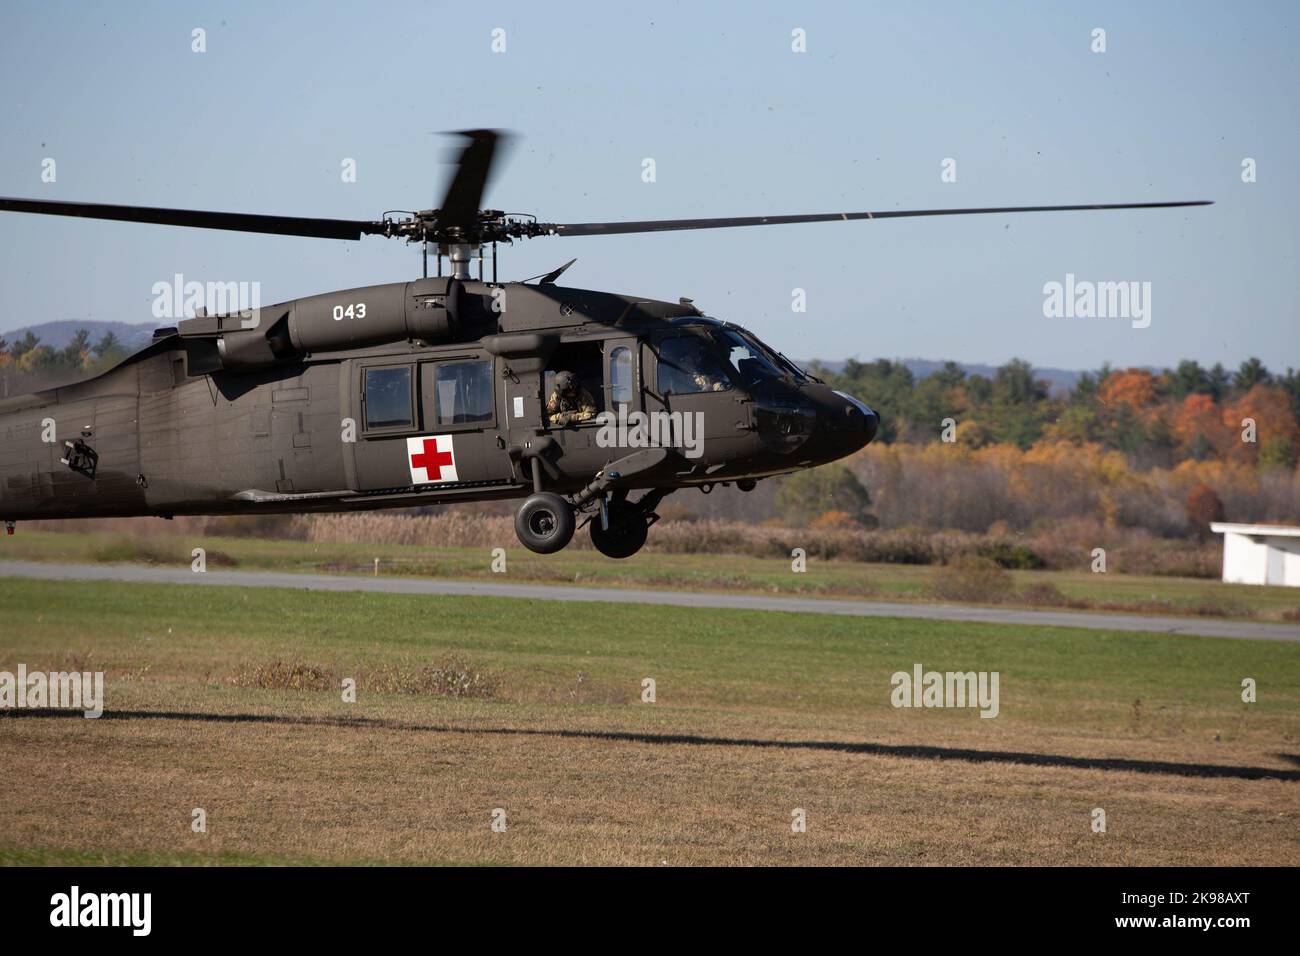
(463, 392)
(388, 397)
(620, 376)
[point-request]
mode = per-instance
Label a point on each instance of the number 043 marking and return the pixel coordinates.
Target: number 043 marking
(355, 311)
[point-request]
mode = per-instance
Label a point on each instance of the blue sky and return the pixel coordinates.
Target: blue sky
(737, 125)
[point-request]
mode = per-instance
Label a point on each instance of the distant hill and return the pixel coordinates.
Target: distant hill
(1059, 379)
(59, 334)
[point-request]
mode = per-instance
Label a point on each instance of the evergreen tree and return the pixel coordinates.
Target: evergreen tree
(1251, 373)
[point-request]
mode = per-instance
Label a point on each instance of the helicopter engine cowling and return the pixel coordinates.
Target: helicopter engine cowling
(427, 310)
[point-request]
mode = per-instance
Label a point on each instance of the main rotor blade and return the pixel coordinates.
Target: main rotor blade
(240, 222)
(464, 197)
(670, 225)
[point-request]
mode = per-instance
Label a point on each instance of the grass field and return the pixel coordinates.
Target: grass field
(734, 573)
(228, 700)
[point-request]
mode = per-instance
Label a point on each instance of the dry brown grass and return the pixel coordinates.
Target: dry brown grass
(307, 784)
(283, 675)
(452, 677)
(757, 714)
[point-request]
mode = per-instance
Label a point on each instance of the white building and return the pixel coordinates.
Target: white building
(1260, 553)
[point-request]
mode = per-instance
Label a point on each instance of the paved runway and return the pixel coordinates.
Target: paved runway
(1207, 627)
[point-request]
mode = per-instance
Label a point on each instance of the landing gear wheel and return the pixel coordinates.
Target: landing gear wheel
(626, 533)
(544, 523)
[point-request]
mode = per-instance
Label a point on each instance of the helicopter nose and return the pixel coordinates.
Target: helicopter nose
(818, 423)
(856, 422)
(870, 426)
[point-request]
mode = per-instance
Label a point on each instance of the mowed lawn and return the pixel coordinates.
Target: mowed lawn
(756, 715)
(1115, 590)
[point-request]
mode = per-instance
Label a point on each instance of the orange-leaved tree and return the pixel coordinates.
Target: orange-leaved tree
(1203, 507)
(1264, 415)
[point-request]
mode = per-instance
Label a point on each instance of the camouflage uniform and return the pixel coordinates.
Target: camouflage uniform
(569, 402)
(706, 383)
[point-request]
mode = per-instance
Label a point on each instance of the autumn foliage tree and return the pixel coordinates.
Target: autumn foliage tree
(1134, 387)
(832, 488)
(1203, 507)
(1264, 414)
(1157, 419)
(1199, 429)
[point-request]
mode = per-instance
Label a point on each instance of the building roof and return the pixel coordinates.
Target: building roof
(1271, 530)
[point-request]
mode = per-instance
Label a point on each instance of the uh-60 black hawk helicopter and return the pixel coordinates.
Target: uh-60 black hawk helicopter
(433, 391)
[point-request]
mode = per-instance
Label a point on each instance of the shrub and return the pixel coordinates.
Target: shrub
(1009, 555)
(972, 578)
(834, 520)
(1045, 594)
(127, 548)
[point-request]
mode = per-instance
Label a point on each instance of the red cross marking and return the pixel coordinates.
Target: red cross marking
(432, 459)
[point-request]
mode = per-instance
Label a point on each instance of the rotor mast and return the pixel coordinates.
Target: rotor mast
(460, 254)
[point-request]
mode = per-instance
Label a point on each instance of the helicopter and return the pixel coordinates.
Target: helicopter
(440, 390)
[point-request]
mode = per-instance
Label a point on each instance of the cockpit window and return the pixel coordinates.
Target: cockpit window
(751, 363)
(713, 358)
(774, 357)
(791, 367)
(691, 362)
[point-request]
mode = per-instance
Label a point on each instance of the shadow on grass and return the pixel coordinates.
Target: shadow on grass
(912, 751)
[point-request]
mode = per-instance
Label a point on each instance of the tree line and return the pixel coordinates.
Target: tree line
(27, 363)
(1156, 418)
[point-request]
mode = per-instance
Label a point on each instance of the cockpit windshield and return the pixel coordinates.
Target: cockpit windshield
(774, 357)
(716, 357)
(746, 358)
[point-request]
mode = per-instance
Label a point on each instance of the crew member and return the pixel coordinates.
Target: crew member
(569, 401)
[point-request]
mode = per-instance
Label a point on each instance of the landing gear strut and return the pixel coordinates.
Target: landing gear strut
(545, 522)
